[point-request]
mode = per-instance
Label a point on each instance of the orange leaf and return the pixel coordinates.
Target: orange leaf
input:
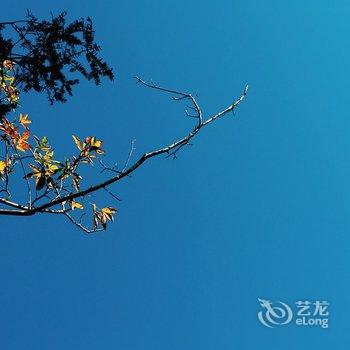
(21, 143)
(8, 64)
(23, 119)
(4, 165)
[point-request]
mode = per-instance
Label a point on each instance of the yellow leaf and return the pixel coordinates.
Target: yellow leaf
(51, 169)
(106, 214)
(108, 211)
(46, 160)
(96, 143)
(23, 119)
(76, 205)
(78, 143)
(92, 144)
(3, 166)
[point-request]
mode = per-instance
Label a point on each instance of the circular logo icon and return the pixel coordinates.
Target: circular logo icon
(274, 314)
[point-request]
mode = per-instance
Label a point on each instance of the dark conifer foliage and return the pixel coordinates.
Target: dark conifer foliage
(47, 53)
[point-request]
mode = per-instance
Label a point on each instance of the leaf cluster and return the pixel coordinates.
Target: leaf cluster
(52, 178)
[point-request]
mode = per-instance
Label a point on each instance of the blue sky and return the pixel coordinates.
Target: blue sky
(257, 208)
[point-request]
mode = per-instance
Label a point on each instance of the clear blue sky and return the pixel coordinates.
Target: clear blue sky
(258, 207)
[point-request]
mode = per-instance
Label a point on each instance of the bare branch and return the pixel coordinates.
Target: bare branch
(81, 226)
(112, 194)
(132, 149)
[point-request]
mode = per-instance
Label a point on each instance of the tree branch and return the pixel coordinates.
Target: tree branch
(169, 149)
